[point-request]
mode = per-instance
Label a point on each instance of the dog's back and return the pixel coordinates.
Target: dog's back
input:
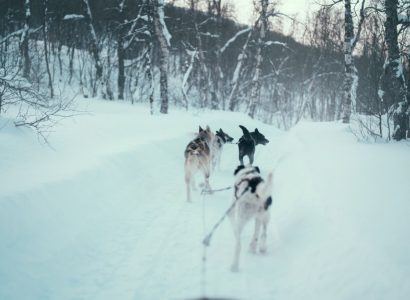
(198, 151)
(246, 145)
(246, 179)
(249, 182)
(248, 142)
(197, 147)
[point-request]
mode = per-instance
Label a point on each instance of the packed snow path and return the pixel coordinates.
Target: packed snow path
(104, 216)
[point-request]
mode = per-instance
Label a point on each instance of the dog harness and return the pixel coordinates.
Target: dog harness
(252, 183)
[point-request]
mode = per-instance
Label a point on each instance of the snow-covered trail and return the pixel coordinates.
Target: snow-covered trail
(113, 227)
(118, 227)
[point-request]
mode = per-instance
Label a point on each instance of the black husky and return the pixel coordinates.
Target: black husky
(248, 142)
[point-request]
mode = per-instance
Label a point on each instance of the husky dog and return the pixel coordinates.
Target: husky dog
(252, 199)
(221, 138)
(198, 158)
(248, 142)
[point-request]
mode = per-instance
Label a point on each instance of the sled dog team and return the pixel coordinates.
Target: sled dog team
(252, 194)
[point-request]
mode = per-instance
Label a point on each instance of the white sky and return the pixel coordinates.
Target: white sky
(244, 10)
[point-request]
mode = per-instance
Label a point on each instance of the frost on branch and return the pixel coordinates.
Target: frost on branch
(32, 107)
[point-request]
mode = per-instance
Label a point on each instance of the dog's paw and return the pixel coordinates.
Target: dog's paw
(262, 250)
(234, 268)
(206, 191)
(252, 248)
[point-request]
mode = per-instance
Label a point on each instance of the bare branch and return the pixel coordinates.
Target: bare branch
(233, 39)
(359, 26)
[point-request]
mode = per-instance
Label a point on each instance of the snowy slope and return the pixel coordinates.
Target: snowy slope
(103, 214)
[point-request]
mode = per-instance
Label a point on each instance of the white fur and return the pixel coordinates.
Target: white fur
(250, 206)
(216, 152)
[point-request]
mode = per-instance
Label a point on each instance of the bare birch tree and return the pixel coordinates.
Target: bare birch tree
(46, 52)
(121, 50)
(94, 48)
(215, 7)
(256, 83)
(350, 80)
(149, 55)
(232, 99)
(349, 67)
(24, 39)
(163, 37)
(394, 72)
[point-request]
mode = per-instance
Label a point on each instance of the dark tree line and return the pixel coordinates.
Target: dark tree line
(141, 50)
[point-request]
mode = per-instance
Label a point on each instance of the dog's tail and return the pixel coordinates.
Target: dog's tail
(267, 186)
(269, 183)
(246, 132)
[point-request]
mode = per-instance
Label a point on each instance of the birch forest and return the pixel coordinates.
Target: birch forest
(344, 60)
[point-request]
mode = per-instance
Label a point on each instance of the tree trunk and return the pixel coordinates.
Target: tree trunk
(121, 52)
(217, 74)
(150, 77)
(163, 38)
(24, 39)
(121, 69)
(256, 83)
(204, 74)
(46, 56)
(188, 71)
(94, 49)
(60, 63)
(332, 106)
(107, 77)
(148, 57)
(349, 67)
(71, 64)
(396, 89)
(232, 100)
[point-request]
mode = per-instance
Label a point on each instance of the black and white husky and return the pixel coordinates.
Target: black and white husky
(221, 138)
(252, 199)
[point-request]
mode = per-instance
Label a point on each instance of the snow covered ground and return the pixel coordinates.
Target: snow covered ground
(102, 214)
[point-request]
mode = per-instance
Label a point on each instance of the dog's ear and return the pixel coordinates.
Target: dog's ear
(200, 128)
(208, 128)
(256, 130)
(256, 168)
(220, 130)
(238, 168)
